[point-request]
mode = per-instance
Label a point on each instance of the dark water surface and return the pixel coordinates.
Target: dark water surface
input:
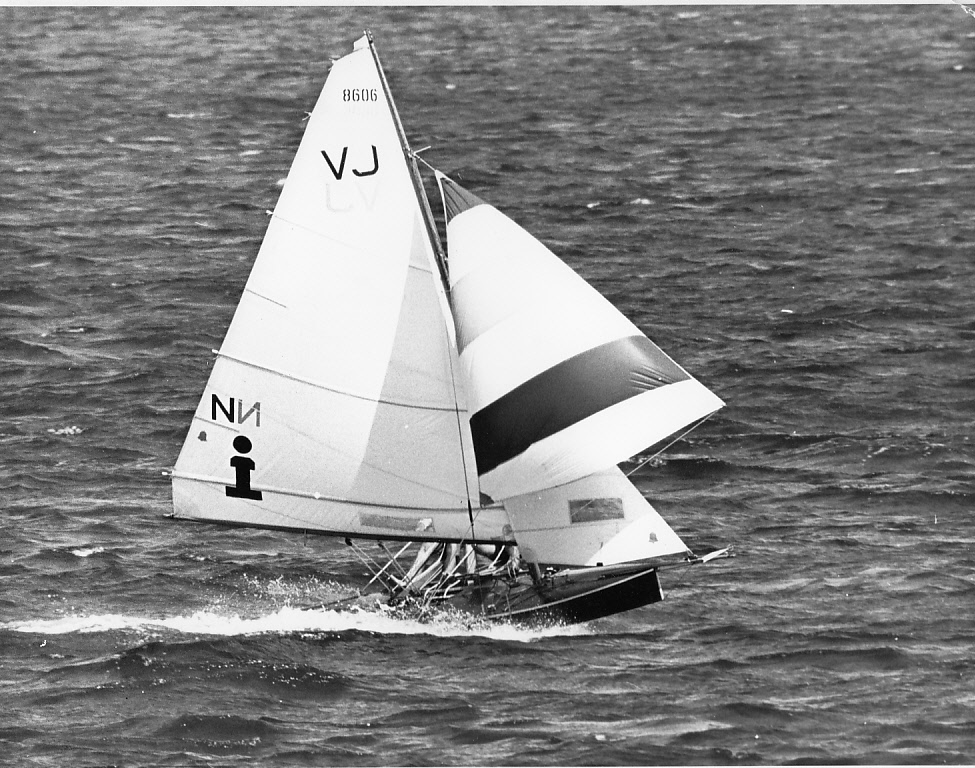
(781, 196)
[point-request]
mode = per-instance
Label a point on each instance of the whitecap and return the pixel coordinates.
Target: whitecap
(87, 551)
(67, 431)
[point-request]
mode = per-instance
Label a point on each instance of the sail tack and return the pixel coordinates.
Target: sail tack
(339, 365)
(561, 384)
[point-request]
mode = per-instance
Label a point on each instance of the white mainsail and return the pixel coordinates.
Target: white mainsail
(562, 388)
(333, 404)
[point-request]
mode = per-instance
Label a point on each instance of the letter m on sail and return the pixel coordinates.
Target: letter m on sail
(239, 416)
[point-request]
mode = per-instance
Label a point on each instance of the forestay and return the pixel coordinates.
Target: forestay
(332, 404)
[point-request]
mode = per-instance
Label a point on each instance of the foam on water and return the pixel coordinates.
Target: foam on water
(87, 551)
(288, 620)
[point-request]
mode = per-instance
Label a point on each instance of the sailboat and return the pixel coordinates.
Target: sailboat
(470, 405)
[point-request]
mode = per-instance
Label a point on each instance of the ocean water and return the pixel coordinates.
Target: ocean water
(780, 196)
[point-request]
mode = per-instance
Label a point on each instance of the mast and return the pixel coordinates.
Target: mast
(421, 194)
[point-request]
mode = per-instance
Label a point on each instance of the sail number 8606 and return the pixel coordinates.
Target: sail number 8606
(360, 94)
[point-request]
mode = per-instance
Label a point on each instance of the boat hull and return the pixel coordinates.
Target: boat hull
(568, 597)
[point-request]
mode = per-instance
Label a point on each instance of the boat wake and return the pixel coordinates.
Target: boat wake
(291, 620)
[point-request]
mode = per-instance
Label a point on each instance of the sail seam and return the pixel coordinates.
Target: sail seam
(301, 380)
(305, 527)
(321, 497)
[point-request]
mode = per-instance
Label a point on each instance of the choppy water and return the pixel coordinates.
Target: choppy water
(780, 196)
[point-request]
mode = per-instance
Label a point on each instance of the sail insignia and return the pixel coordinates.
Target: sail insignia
(593, 510)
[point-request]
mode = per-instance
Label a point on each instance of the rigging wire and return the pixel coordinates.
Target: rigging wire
(679, 437)
(392, 560)
(415, 154)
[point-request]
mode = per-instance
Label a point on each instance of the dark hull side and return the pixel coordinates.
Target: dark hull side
(568, 597)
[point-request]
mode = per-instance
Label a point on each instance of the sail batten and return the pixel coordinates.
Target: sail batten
(377, 400)
(458, 509)
(195, 500)
(252, 292)
(283, 220)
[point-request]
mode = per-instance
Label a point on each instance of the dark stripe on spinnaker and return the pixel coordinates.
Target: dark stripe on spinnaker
(457, 199)
(568, 393)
